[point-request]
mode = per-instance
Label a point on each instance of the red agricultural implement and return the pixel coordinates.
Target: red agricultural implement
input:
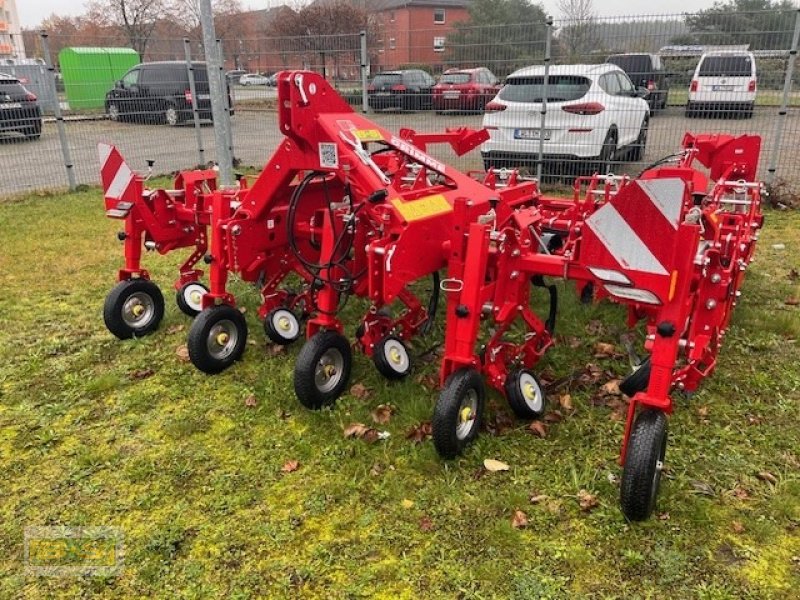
(345, 207)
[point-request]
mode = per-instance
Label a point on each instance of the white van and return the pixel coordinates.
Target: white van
(723, 82)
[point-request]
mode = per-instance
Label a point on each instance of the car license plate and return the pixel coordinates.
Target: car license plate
(383, 94)
(721, 88)
(10, 105)
(451, 95)
(531, 134)
(204, 96)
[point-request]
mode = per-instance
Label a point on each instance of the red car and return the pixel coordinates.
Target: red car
(464, 89)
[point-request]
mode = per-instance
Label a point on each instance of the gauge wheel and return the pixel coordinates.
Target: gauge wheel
(637, 152)
(322, 370)
(282, 326)
(189, 298)
(525, 394)
(217, 338)
(644, 463)
(458, 414)
(636, 381)
(391, 358)
(133, 308)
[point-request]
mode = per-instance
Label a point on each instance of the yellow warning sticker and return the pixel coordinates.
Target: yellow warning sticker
(429, 206)
(368, 135)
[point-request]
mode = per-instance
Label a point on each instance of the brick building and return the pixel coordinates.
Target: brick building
(414, 31)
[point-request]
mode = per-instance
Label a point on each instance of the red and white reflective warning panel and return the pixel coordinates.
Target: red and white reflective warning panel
(629, 242)
(116, 177)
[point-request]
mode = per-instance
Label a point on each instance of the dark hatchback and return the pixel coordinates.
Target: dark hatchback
(160, 92)
(410, 89)
(645, 71)
(19, 109)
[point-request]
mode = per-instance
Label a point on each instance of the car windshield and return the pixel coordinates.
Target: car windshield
(633, 63)
(560, 88)
(720, 66)
(455, 78)
(388, 79)
(11, 87)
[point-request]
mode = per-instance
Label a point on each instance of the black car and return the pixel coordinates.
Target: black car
(19, 109)
(409, 89)
(160, 92)
(646, 71)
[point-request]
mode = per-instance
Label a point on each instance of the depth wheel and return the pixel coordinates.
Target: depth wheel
(391, 358)
(525, 395)
(644, 462)
(282, 326)
(217, 338)
(190, 298)
(133, 308)
(636, 381)
(322, 370)
(458, 413)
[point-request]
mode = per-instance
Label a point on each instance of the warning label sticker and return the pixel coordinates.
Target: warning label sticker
(429, 206)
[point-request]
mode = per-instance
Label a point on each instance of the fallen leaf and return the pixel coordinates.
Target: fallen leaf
(250, 401)
(587, 501)
(663, 516)
(276, 349)
(290, 466)
(183, 352)
(142, 373)
(741, 494)
(595, 327)
(565, 401)
(376, 470)
(420, 433)
(604, 350)
(406, 503)
(382, 413)
(767, 476)
(737, 527)
(792, 301)
(519, 520)
(702, 412)
(537, 498)
(554, 416)
(611, 388)
(174, 329)
(425, 524)
(371, 436)
(243, 309)
(794, 275)
(574, 342)
(493, 465)
(702, 488)
(360, 391)
(355, 430)
(538, 429)
(753, 420)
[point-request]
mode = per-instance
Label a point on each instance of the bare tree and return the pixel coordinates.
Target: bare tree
(578, 36)
(187, 14)
(137, 18)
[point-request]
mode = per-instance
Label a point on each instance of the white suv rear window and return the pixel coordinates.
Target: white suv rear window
(560, 88)
(722, 66)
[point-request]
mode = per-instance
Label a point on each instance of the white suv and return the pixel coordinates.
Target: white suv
(723, 81)
(595, 116)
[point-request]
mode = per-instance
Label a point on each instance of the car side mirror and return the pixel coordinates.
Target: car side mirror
(118, 84)
(641, 92)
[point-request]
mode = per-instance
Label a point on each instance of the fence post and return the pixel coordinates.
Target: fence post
(187, 47)
(780, 125)
(225, 91)
(364, 97)
(62, 131)
(547, 42)
(224, 158)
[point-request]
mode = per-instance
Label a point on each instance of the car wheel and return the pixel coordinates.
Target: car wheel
(608, 153)
(637, 152)
(113, 112)
(689, 112)
(172, 116)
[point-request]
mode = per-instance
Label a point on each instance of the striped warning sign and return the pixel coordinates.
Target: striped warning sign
(115, 174)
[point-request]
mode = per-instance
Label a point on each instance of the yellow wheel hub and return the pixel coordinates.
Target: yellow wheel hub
(395, 356)
(465, 414)
(222, 338)
(329, 370)
(138, 310)
(284, 323)
(529, 392)
(196, 297)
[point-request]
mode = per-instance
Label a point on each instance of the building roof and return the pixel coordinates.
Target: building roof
(381, 5)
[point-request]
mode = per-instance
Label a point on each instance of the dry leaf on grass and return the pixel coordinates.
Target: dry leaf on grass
(565, 401)
(425, 524)
(142, 373)
(383, 413)
(519, 520)
(604, 350)
(702, 412)
(182, 352)
(250, 401)
(290, 466)
(737, 527)
(362, 432)
(792, 301)
(360, 391)
(537, 498)
(538, 429)
(595, 327)
(587, 501)
(554, 416)
(492, 465)
(767, 476)
(420, 433)
(174, 329)
(276, 349)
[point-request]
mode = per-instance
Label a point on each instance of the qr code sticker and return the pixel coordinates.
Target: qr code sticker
(328, 156)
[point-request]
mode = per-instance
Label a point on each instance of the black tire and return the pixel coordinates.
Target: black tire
(282, 326)
(607, 157)
(189, 298)
(748, 111)
(172, 116)
(113, 112)
(217, 338)
(641, 475)
(322, 370)
(639, 146)
(636, 381)
(453, 428)
(391, 358)
(689, 113)
(525, 395)
(133, 308)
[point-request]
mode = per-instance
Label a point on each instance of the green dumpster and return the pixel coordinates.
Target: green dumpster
(90, 72)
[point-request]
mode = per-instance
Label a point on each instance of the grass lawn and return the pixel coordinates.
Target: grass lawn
(98, 432)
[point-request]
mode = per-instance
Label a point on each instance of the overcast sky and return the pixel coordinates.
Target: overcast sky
(33, 11)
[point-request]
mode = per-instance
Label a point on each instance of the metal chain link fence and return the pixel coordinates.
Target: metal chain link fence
(558, 112)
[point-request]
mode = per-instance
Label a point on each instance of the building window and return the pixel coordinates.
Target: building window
(438, 44)
(438, 16)
(391, 44)
(391, 17)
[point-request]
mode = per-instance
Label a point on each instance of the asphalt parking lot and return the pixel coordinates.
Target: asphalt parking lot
(39, 164)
